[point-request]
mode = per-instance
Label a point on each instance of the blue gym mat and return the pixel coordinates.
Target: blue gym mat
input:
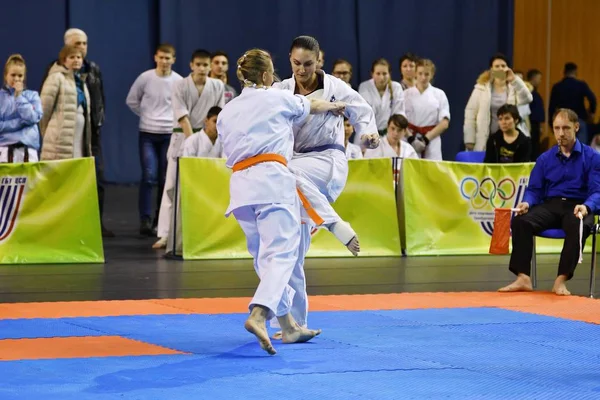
(468, 353)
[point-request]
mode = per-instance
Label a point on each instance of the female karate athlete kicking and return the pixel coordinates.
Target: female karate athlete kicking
(255, 129)
(319, 160)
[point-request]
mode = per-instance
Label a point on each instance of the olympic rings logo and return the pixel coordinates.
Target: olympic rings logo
(487, 191)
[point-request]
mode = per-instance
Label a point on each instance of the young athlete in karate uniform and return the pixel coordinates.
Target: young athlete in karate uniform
(428, 113)
(391, 144)
(192, 97)
(384, 95)
(255, 129)
(319, 161)
(205, 143)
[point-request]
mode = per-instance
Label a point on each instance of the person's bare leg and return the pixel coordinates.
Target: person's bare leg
(521, 284)
(256, 324)
(291, 332)
(560, 288)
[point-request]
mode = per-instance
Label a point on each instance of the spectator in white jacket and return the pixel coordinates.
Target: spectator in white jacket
(494, 88)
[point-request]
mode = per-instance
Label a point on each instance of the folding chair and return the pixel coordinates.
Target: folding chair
(560, 234)
(470, 156)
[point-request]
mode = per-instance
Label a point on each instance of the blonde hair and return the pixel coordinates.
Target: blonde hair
(15, 59)
(424, 62)
(252, 65)
(66, 51)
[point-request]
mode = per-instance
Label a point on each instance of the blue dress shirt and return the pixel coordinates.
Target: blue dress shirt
(575, 177)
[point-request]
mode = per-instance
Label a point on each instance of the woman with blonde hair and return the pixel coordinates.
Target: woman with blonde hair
(428, 113)
(495, 87)
(255, 129)
(66, 103)
(20, 111)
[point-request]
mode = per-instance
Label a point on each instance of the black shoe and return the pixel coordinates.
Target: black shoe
(106, 233)
(146, 228)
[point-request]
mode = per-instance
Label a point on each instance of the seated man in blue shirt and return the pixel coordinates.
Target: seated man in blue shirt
(564, 182)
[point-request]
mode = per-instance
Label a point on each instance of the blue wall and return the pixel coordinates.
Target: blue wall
(458, 35)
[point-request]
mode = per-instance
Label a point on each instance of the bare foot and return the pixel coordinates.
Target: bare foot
(259, 330)
(559, 286)
(521, 284)
(277, 335)
(160, 244)
(299, 335)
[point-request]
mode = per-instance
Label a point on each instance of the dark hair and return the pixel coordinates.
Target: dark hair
(213, 112)
(533, 73)
(499, 56)
(306, 43)
(399, 120)
(571, 115)
(166, 48)
(199, 53)
(407, 56)
(512, 110)
(219, 53)
(341, 61)
(570, 67)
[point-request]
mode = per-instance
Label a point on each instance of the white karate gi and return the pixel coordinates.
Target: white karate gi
(321, 175)
(263, 197)
(427, 109)
(186, 101)
(385, 150)
(383, 106)
(353, 152)
(200, 145)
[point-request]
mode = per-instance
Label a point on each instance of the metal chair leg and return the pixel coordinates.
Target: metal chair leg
(593, 263)
(533, 273)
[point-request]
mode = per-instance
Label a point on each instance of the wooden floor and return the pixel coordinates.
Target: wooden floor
(134, 271)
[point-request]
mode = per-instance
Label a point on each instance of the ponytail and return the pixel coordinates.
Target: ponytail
(251, 66)
(385, 63)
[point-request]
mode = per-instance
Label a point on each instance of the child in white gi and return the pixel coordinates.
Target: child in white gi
(206, 142)
(192, 98)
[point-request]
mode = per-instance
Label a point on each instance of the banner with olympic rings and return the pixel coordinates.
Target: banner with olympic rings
(449, 206)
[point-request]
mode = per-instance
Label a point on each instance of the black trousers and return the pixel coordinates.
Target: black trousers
(553, 214)
(99, 164)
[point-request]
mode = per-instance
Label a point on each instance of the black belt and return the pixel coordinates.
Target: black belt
(323, 148)
(13, 147)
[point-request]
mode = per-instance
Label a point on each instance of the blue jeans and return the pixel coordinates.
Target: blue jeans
(153, 156)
